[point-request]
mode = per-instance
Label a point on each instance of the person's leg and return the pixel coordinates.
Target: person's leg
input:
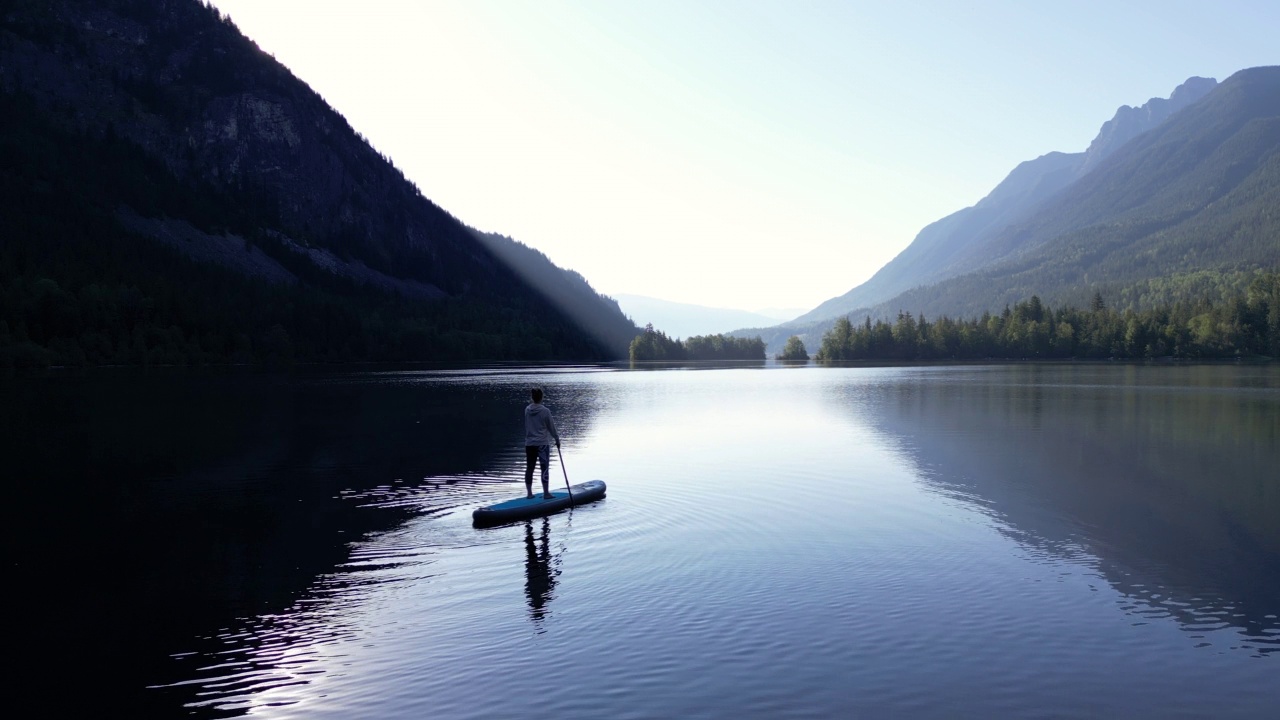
(544, 454)
(530, 457)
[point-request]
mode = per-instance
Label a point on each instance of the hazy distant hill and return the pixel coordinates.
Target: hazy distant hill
(153, 158)
(955, 244)
(682, 320)
(1184, 208)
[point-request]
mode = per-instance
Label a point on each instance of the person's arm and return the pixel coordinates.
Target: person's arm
(551, 425)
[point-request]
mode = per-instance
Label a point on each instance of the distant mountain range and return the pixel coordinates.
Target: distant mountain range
(152, 157)
(171, 194)
(684, 320)
(1171, 196)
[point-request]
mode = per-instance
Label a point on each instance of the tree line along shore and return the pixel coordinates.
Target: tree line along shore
(1241, 325)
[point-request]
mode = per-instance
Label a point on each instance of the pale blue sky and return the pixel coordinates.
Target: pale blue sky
(743, 154)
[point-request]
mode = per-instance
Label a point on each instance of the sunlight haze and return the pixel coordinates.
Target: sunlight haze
(736, 154)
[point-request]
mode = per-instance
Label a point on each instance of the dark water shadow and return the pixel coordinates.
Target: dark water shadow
(150, 509)
(1163, 480)
(541, 570)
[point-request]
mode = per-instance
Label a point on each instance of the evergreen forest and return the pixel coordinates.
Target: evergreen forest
(77, 288)
(655, 346)
(1241, 325)
(186, 200)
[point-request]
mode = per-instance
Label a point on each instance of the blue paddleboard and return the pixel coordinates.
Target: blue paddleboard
(522, 508)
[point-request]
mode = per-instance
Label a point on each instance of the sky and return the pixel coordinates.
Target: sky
(744, 154)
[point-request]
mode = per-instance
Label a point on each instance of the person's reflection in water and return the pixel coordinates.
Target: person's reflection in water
(540, 576)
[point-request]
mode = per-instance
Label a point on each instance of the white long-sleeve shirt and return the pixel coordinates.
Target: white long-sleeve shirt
(539, 428)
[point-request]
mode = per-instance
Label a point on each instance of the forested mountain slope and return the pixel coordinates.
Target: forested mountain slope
(937, 248)
(956, 243)
(1182, 211)
(1196, 195)
(173, 194)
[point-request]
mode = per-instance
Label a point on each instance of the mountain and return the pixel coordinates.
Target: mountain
(1130, 122)
(1181, 210)
(1197, 194)
(683, 320)
(950, 246)
(173, 194)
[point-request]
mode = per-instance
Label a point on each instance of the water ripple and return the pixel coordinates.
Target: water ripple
(855, 576)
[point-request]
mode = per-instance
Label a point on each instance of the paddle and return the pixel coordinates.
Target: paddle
(566, 472)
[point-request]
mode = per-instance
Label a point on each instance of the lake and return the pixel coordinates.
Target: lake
(1013, 541)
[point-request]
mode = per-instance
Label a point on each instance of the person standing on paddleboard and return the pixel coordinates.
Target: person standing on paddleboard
(539, 429)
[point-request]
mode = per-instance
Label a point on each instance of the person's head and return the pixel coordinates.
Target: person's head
(536, 394)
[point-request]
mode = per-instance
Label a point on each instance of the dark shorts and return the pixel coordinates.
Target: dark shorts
(534, 454)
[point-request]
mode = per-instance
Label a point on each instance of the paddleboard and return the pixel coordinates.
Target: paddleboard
(537, 506)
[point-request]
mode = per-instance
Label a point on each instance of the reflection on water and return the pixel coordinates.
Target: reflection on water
(540, 569)
(1007, 541)
(1162, 478)
(181, 501)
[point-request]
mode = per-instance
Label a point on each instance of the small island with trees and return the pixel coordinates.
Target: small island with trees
(793, 352)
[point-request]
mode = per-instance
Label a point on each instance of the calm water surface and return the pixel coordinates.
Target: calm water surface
(988, 541)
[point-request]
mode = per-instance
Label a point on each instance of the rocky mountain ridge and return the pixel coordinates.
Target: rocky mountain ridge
(1182, 211)
(946, 248)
